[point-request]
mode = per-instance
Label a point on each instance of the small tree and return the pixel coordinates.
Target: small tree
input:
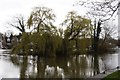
(107, 33)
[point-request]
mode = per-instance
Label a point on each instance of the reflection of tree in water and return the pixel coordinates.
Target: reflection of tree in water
(40, 68)
(96, 64)
(21, 61)
(80, 66)
(23, 68)
(72, 67)
(15, 60)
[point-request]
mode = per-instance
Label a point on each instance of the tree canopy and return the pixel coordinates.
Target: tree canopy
(41, 19)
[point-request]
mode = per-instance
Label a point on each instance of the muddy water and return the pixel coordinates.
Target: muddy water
(38, 67)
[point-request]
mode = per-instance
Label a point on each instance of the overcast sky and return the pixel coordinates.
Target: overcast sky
(11, 8)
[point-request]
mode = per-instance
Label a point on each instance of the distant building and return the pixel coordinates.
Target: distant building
(8, 42)
(3, 41)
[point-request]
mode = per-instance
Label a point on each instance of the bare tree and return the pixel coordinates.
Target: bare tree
(100, 11)
(18, 23)
(109, 30)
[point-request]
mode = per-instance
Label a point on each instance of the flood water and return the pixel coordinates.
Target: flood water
(38, 67)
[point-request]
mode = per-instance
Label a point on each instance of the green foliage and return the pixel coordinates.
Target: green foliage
(47, 40)
(113, 76)
(16, 48)
(78, 28)
(23, 46)
(41, 19)
(50, 41)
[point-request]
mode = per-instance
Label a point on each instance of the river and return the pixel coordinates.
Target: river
(80, 66)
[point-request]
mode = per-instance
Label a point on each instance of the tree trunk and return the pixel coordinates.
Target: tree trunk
(96, 36)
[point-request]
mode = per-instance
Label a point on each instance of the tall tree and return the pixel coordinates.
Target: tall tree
(100, 11)
(41, 19)
(77, 27)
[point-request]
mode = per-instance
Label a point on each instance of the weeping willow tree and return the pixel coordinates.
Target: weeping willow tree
(78, 29)
(46, 40)
(24, 46)
(41, 19)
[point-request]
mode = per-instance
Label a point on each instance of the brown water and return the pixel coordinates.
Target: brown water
(38, 67)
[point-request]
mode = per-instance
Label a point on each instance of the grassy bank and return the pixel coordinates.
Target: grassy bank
(113, 76)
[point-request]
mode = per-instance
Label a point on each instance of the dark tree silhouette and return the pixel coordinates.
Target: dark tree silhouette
(19, 23)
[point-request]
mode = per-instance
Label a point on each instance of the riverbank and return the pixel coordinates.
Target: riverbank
(72, 53)
(111, 74)
(114, 75)
(107, 75)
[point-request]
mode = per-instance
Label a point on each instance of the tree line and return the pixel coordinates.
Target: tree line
(45, 39)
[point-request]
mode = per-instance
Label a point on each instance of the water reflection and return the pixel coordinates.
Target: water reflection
(73, 67)
(7, 68)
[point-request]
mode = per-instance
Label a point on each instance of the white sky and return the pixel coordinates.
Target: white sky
(11, 8)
